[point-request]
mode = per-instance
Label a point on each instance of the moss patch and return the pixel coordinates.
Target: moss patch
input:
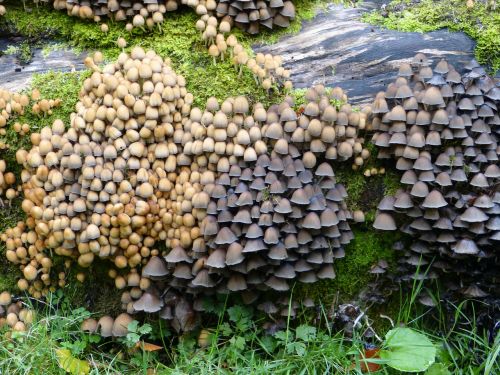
(367, 248)
(479, 21)
(177, 39)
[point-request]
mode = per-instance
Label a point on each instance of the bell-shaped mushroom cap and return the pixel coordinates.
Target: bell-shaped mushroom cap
(240, 105)
(120, 325)
(245, 199)
(443, 179)
(149, 302)
(311, 221)
(403, 200)
(236, 283)
(176, 255)
(268, 307)
(473, 291)
(387, 204)
(324, 169)
(288, 114)
(254, 245)
(217, 259)
(434, 200)
(473, 215)
(384, 221)
(465, 246)
(433, 96)
(234, 254)
(155, 268)
(89, 325)
(328, 218)
(283, 207)
(243, 217)
(299, 196)
(405, 70)
(105, 326)
(183, 271)
(479, 180)
(277, 284)
(203, 279)
(326, 272)
(271, 236)
(278, 252)
(225, 236)
(286, 271)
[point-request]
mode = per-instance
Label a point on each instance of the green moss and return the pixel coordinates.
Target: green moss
(355, 184)
(391, 183)
(102, 300)
(368, 247)
(479, 22)
(177, 39)
(9, 273)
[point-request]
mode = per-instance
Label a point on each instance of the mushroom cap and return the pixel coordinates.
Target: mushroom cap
(155, 268)
(149, 303)
(120, 325)
(434, 200)
(176, 255)
(384, 221)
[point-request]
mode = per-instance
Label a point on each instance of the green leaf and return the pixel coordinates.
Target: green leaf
(70, 364)
(296, 347)
(407, 350)
(437, 369)
(132, 326)
(305, 333)
(238, 342)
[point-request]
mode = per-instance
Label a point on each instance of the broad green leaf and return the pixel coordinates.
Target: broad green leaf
(295, 347)
(437, 369)
(70, 364)
(407, 350)
(305, 333)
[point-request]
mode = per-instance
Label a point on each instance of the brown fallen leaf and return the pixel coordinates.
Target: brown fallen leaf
(148, 346)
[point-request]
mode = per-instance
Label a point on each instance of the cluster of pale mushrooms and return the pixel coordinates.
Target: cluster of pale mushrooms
(268, 70)
(443, 130)
(14, 315)
(141, 13)
(244, 199)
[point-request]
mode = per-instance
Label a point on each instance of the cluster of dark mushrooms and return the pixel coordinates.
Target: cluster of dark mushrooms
(249, 16)
(240, 199)
(443, 129)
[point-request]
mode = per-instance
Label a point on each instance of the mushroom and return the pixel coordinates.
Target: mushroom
(443, 202)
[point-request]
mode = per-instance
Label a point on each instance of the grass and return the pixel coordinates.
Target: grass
(236, 342)
(480, 21)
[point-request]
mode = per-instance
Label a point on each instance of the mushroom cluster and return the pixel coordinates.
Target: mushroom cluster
(11, 104)
(274, 212)
(7, 182)
(248, 15)
(443, 129)
(14, 314)
(106, 326)
(2, 9)
(268, 70)
(243, 198)
(143, 13)
(115, 182)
